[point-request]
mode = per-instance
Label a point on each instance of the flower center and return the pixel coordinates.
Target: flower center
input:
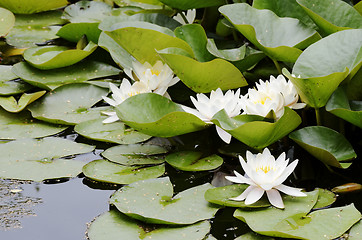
(155, 72)
(265, 169)
(133, 93)
(263, 100)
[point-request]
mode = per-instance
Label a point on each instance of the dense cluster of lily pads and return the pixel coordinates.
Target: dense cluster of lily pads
(155, 84)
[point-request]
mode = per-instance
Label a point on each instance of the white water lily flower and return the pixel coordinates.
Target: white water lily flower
(206, 107)
(190, 17)
(157, 78)
(120, 94)
(265, 174)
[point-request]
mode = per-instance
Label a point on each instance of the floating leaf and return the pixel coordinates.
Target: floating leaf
(254, 131)
(203, 76)
(22, 125)
(253, 236)
(50, 57)
(152, 201)
(325, 199)
(327, 145)
(358, 7)
(348, 187)
(112, 224)
(7, 21)
(115, 132)
(32, 6)
(73, 32)
(87, 11)
(106, 171)
(279, 38)
(325, 64)
(190, 4)
(356, 231)
(9, 86)
(11, 105)
(350, 111)
(286, 8)
(142, 43)
(46, 149)
(193, 161)
(51, 79)
(158, 116)
(135, 154)
(69, 104)
(34, 28)
(332, 16)
(222, 195)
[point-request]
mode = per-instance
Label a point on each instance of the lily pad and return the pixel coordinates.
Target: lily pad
(279, 38)
(340, 53)
(254, 131)
(193, 161)
(332, 16)
(46, 149)
(8, 84)
(7, 21)
(87, 11)
(325, 144)
(221, 196)
(69, 104)
(32, 6)
(203, 76)
(50, 57)
(112, 224)
(51, 79)
(190, 4)
(152, 201)
(22, 125)
(115, 132)
(34, 28)
(253, 236)
(356, 231)
(106, 171)
(158, 116)
(142, 43)
(325, 199)
(135, 154)
(73, 32)
(11, 105)
(350, 111)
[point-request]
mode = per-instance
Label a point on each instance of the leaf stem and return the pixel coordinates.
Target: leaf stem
(318, 116)
(277, 66)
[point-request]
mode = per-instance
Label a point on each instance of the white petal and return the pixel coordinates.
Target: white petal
(291, 191)
(245, 178)
(225, 136)
(245, 166)
(194, 112)
(255, 194)
(243, 195)
(274, 198)
(109, 101)
(288, 170)
(298, 105)
(111, 119)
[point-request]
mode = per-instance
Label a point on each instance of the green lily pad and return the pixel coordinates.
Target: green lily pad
(135, 154)
(279, 38)
(253, 236)
(46, 149)
(325, 144)
(8, 84)
(339, 105)
(22, 125)
(50, 57)
(318, 81)
(32, 6)
(356, 231)
(10, 104)
(195, 36)
(332, 16)
(115, 132)
(254, 131)
(243, 57)
(38, 170)
(51, 79)
(158, 116)
(152, 201)
(193, 161)
(69, 104)
(286, 8)
(203, 76)
(190, 4)
(73, 32)
(34, 28)
(358, 7)
(106, 171)
(325, 199)
(87, 11)
(142, 43)
(221, 196)
(112, 224)
(7, 21)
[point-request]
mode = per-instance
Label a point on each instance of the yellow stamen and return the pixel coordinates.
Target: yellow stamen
(155, 72)
(265, 169)
(263, 100)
